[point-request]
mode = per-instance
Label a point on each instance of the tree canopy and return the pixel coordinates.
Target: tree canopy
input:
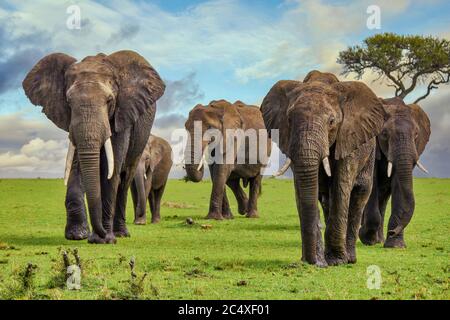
(403, 61)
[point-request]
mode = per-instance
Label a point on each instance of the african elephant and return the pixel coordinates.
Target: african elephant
(400, 144)
(150, 179)
(107, 103)
(324, 121)
(228, 119)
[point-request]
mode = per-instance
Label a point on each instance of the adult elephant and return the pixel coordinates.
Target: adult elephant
(150, 179)
(228, 120)
(400, 144)
(107, 104)
(324, 121)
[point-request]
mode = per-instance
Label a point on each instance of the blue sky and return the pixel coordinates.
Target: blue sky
(204, 50)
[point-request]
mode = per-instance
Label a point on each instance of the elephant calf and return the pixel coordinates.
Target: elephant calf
(227, 119)
(150, 179)
(400, 144)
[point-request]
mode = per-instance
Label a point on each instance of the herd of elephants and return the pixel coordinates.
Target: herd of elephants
(347, 148)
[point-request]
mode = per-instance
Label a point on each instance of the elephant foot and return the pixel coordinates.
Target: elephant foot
(335, 259)
(227, 215)
(76, 232)
(121, 232)
(214, 216)
(243, 208)
(369, 238)
(392, 242)
(96, 239)
(156, 219)
(252, 214)
(140, 221)
(320, 262)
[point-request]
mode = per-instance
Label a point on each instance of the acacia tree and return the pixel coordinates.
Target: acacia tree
(402, 61)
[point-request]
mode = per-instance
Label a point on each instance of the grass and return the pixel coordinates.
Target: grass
(238, 259)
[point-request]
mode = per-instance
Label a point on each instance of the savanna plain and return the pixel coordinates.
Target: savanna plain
(236, 259)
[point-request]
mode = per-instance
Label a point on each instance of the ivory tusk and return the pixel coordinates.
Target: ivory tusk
(145, 176)
(109, 157)
(389, 170)
(326, 166)
(69, 160)
(284, 168)
(202, 160)
(421, 167)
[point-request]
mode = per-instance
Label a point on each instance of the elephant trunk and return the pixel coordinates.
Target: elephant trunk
(193, 161)
(90, 172)
(307, 194)
(403, 202)
(141, 202)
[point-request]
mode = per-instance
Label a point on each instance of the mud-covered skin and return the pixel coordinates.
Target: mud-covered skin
(100, 100)
(150, 179)
(320, 118)
(223, 116)
(401, 142)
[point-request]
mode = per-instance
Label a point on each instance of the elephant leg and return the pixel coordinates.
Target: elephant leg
(358, 201)
(255, 190)
(109, 197)
(240, 195)
(119, 226)
(156, 203)
(336, 224)
(141, 185)
(226, 210)
(76, 226)
(219, 176)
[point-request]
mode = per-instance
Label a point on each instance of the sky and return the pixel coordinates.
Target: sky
(204, 50)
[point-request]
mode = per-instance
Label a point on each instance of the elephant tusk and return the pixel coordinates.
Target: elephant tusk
(202, 160)
(145, 176)
(109, 157)
(421, 167)
(326, 166)
(69, 160)
(284, 168)
(389, 170)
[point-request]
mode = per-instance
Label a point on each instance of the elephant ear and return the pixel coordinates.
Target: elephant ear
(139, 87)
(423, 123)
(45, 86)
(274, 111)
(363, 117)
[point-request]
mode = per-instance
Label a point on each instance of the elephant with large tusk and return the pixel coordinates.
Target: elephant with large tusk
(150, 179)
(327, 129)
(228, 119)
(400, 144)
(107, 103)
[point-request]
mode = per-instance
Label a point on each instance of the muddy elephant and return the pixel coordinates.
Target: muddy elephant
(327, 130)
(400, 144)
(150, 180)
(235, 164)
(107, 103)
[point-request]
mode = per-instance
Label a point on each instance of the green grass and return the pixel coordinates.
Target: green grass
(238, 259)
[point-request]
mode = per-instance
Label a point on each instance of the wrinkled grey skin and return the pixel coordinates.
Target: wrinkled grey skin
(95, 99)
(150, 179)
(318, 118)
(222, 115)
(402, 140)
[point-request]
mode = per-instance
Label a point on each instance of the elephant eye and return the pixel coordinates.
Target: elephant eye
(331, 121)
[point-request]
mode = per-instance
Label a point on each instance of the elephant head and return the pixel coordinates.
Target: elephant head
(401, 142)
(218, 115)
(92, 99)
(319, 118)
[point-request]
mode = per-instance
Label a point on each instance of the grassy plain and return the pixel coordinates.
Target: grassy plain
(237, 259)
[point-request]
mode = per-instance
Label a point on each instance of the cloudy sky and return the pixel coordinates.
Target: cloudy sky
(204, 50)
